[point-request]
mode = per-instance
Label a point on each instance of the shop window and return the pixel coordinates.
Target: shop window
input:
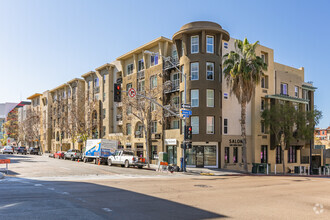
(172, 154)
(226, 154)
(235, 154)
(191, 156)
(278, 154)
(154, 152)
(264, 154)
(210, 156)
(292, 154)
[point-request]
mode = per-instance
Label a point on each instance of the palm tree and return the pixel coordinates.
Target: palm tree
(243, 70)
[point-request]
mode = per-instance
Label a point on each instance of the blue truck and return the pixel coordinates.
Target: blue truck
(98, 150)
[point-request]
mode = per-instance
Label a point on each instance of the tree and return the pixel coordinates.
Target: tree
(11, 125)
(287, 123)
(4, 140)
(145, 111)
(280, 118)
(243, 70)
(32, 126)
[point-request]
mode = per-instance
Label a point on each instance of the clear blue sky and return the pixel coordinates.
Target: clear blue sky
(44, 43)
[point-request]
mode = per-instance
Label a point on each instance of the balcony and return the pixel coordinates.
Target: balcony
(170, 63)
(119, 80)
(119, 104)
(175, 108)
(119, 119)
(140, 74)
(173, 86)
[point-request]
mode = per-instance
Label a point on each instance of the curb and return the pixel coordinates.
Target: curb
(2, 175)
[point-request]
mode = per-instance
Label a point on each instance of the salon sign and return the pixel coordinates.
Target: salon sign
(235, 142)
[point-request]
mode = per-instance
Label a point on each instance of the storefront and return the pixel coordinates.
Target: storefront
(171, 149)
(203, 155)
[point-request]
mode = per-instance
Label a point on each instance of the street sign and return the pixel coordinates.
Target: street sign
(186, 112)
(131, 92)
(187, 106)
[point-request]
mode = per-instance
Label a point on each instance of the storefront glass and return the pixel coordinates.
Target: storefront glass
(210, 156)
(172, 154)
(191, 156)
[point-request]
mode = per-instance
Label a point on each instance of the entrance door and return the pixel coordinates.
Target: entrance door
(199, 156)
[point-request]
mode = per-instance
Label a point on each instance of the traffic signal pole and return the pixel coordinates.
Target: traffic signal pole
(185, 124)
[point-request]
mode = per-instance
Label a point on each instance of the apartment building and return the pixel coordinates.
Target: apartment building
(65, 111)
(35, 130)
(154, 71)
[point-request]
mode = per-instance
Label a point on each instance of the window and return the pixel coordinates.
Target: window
(103, 131)
(235, 154)
(264, 82)
(129, 69)
(194, 98)
(175, 124)
(284, 89)
(182, 71)
(296, 91)
(153, 81)
(176, 102)
(104, 113)
(89, 84)
(194, 44)
(225, 126)
(225, 45)
(153, 60)
(96, 82)
(209, 71)
(209, 44)
(292, 154)
(128, 87)
(195, 124)
(304, 94)
(194, 69)
(64, 94)
(104, 95)
(225, 95)
(128, 128)
(210, 98)
(264, 57)
(154, 127)
(153, 107)
(264, 154)
(262, 106)
(226, 154)
(74, 89)
(278, 154)
(141, 85)
(141, 65)
(129, 110)
(69, 93)
(209, 125)
(263, 129)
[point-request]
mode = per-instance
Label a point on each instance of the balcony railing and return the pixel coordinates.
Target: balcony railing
(174, 86)
(140, 74)
(119, 80)
(171, 63)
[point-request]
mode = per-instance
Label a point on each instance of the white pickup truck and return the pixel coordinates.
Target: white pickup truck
(126, 158)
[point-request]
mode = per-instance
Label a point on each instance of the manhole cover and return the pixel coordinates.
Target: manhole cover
(202, 186)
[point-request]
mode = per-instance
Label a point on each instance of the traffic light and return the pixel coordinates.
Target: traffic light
(187, 132)
(117, 92)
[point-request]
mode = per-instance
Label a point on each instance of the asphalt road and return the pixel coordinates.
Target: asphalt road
(43, 188)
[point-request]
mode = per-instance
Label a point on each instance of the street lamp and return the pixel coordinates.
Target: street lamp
(185, 101)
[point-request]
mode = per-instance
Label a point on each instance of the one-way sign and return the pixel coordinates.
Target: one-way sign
(187, 106)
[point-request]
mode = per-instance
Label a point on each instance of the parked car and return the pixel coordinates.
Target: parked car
(126, 158)
(7, 150)
(21, 150)
(59, 154)
(51, 155)
(72, 154)
(15, 149)
(33, 150)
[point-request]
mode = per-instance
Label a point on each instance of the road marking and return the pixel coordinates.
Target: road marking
(37, 184)
(51, 188)
(107, 209)
(9, 205)
(65, 168)
(65, 193)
